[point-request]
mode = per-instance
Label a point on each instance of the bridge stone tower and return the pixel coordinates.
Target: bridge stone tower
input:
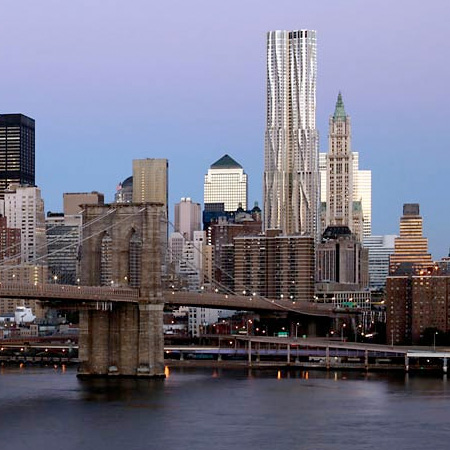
(122, 248)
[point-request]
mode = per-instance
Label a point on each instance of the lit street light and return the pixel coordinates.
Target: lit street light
(296, 330)
(342, 331)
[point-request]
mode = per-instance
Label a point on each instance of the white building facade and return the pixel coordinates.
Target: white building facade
(362, 189)
(339, 166)
(188, 218)
(226, 182)
(291, 173)
(24, 209)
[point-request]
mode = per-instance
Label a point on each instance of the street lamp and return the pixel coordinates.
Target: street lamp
(296, 330)
(342, 331)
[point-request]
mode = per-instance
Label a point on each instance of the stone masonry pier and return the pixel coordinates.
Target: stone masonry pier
(122, 248)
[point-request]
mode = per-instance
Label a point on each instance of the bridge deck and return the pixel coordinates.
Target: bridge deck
(84, 294)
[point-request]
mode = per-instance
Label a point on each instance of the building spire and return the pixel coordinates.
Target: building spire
(339, 111)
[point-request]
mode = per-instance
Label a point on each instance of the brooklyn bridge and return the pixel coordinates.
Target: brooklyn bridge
(121, 328)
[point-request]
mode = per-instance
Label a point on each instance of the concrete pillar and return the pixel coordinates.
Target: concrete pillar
(249, 352)
(406, 363)
(444, 365)
(327, 357)
(288, 347)
(366, 359)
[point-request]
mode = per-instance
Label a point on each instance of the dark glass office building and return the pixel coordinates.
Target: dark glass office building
(16, 151)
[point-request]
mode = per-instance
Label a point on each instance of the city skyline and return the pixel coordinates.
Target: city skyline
(69, 76)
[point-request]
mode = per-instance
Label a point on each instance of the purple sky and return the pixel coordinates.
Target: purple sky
(108, 82)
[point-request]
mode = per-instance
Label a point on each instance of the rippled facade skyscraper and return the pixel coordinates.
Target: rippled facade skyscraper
(291, 175)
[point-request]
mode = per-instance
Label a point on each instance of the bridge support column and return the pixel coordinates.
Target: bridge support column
(406, 363)
(249, 343)
(288, 354)
(127, 341)
(366, 359)
(151, 340)
(327, 358)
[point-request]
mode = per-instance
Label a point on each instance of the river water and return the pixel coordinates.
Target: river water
(49, 408)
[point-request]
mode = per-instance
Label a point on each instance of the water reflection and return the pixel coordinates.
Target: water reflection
(121, 389)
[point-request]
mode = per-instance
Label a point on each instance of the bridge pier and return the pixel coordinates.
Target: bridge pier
(126, 341)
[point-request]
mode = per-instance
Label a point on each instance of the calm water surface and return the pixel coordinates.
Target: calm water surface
(201, 409)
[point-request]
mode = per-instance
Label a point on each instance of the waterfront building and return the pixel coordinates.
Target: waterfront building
(416, 305)
(291, 174)
(226, 184)
(17, 151)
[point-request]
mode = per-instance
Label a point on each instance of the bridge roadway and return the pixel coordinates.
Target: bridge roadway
(104, 297)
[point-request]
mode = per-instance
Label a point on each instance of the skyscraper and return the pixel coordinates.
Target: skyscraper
(226, 182)
(150, 181)
(339, 169)
(291, 175)
(17, 145)
(151, 185)
(410, 248)
(346, 191)
(24, 209)
(362, 192)
(380, 249)
(188, 218)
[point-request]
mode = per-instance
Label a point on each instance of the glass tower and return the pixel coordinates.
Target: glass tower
(17, 146)
(291, 175)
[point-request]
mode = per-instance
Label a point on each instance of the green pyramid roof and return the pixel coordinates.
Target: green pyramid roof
(339, 111)
(226, 162)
